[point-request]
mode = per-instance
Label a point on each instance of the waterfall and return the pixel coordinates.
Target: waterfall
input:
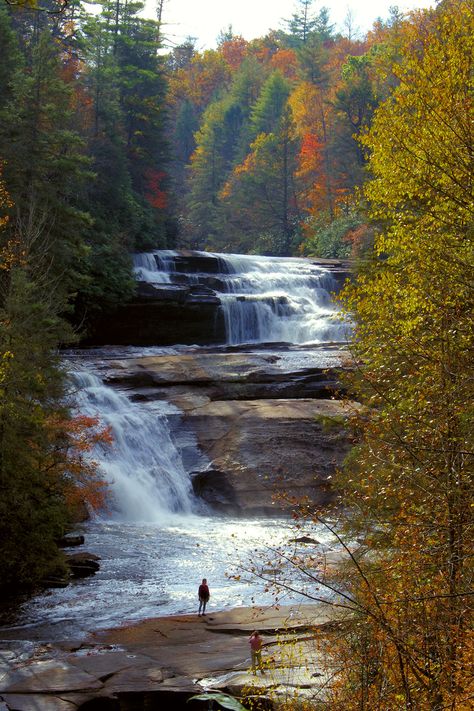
(276, 299)
(153, 267)
(143, 467)
(263, 299)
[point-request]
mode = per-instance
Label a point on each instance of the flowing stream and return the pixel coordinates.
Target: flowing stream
(264, 299)
(156, 540)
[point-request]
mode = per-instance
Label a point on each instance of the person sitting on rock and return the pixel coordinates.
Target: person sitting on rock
(203, 595)
(255, 642)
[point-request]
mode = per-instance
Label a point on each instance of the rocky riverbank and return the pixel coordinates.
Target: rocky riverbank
(162, 662)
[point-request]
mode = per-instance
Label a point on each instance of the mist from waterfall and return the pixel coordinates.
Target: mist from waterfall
(148, 482)
(263, 299)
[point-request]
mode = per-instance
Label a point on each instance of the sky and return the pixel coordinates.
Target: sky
(204, 19)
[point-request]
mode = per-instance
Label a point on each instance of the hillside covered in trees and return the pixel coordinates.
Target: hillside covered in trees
(305, 142)
(126, 145)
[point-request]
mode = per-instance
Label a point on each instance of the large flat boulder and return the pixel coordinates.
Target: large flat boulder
(47, 676)
(162, 662)
(258, 449)
(227, 375)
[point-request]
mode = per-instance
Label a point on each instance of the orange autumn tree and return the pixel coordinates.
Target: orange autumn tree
(286, 62)
(234, 51)
(331, 106)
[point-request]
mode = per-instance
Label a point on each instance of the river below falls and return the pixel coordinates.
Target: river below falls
(150, 570)
(153, 568)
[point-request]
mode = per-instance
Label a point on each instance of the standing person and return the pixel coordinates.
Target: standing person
(255, 642)
(203, 595)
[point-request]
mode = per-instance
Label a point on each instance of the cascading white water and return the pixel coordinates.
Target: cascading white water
(153, 266)
(264, 299)
(278, 299)
(143, 466)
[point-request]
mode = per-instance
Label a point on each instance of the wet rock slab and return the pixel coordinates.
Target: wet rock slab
(261, 419)
(258, 449)
(227, 375)
(169, 658)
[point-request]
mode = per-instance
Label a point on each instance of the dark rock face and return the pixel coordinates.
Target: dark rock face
(340, 269)
(70, 541)
(166, 321)
(213, 487)
(82, 565)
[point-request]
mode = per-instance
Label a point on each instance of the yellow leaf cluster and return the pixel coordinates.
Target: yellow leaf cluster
(412, 476)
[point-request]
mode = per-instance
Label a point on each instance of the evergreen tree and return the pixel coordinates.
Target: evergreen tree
(128, 196)
(11, 58)
(44, 156)
(210, 165)
(269, 107)
(305, 25)
(32, 508)
(260, 197)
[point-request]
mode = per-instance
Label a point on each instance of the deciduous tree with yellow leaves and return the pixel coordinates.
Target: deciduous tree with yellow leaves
(410, 489)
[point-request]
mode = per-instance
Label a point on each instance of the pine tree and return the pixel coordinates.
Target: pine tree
(269, 107)
(45, 164)
(304, 25)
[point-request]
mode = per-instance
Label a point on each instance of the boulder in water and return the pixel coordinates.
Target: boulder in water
(82, 565)
(214, 488)
(69, 541)
(304, 539)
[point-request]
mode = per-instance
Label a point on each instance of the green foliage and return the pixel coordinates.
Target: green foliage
(32, 509)
(331, 239)
(331, 422)
(305, 25)
(44, 156)
(259, 198)
(128, 194)
(269, 108)
(11, 56)
(226, 129)
(211, 162)
(185, 128)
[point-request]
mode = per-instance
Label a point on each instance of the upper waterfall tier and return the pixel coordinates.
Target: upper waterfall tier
(259, 299)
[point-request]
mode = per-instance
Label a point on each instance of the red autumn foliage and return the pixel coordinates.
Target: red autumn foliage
(156, 196)
(234, 51)
(286, 62)
(69, 459)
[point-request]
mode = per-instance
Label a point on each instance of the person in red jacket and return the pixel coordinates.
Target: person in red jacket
(255, 642)
(203, 595)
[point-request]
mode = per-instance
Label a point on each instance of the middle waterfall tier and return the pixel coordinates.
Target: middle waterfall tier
(262, 299)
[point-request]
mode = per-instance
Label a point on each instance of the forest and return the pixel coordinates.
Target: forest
(307, 142)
